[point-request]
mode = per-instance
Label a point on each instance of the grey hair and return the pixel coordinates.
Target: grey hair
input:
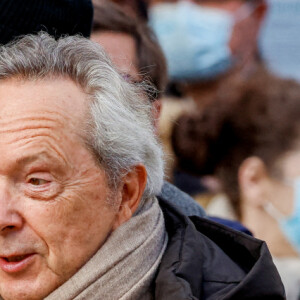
(120, 130)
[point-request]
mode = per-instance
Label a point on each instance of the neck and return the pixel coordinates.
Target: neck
(205, 93)
(266, 228)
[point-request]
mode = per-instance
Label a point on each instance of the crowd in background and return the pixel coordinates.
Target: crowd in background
(230, 115)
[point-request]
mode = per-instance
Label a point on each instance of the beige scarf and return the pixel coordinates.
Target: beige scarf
(124, 267)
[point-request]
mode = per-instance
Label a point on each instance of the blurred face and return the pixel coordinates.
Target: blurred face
(53, 196)
(281, 192)
(243, 42)
(121, 49)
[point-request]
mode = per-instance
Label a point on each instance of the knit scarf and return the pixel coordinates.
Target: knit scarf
(125, 266)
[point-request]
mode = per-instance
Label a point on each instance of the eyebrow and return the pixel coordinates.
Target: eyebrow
(21, 161)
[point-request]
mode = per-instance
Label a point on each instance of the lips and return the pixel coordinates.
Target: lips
(16, 263)
(16, 258)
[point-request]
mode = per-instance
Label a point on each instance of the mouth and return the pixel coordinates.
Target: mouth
(16, 263)
(16, 258)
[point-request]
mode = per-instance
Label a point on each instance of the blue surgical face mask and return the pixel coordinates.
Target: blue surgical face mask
(290, 226)
(195, 39)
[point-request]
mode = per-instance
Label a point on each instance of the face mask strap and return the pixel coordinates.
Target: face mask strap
(273, 211)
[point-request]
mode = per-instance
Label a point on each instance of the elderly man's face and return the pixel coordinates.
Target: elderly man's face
(54, 213)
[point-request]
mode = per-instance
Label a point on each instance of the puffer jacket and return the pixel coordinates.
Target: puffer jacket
(206, 260)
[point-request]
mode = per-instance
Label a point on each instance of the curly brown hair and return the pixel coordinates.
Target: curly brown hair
(260, 117)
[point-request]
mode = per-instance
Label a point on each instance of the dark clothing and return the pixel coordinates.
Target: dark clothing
(58, 18)
(206, 260)
(188, 183)
(232, 224)
(182, 201)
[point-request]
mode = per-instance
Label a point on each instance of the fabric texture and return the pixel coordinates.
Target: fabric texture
(208, 261)
(188, 183)
(182, 201)
(125, 266)
(57, 17)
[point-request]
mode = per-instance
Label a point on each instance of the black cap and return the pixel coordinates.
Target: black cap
(57, 17)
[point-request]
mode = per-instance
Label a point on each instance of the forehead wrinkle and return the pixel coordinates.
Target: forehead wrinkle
(32, 124)
(21, 128)
(31, 157)
(23, 122)
(45, 144)
(23, 136)
(14, 117)
(51, 105)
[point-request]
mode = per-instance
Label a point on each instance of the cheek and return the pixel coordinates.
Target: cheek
(73, 227)
(283, 199)
(244, 38)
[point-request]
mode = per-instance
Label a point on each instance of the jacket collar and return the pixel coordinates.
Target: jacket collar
(205, 259)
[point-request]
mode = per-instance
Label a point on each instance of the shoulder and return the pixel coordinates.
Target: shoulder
(206, 260)
(182, 201)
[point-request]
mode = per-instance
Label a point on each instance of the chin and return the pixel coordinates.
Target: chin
(26, 290)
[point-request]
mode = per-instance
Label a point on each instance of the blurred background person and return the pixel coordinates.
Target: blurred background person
(249, 139)
(208, 41)
(134, 50)
(278, 39)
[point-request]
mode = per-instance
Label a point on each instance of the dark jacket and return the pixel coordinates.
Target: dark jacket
(206, 260)
(182, 201)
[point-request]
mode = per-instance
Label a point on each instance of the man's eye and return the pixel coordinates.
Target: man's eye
(37, 181)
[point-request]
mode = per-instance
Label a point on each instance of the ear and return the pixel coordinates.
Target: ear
(132, 189)
(156, 109)
(252, 177)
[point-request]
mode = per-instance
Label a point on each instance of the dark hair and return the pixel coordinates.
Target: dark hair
(138, 7)
(151, 62)
(260, 117)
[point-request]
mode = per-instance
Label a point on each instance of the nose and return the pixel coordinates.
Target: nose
(10, 218)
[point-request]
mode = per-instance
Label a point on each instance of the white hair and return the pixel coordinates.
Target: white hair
(119, 130)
